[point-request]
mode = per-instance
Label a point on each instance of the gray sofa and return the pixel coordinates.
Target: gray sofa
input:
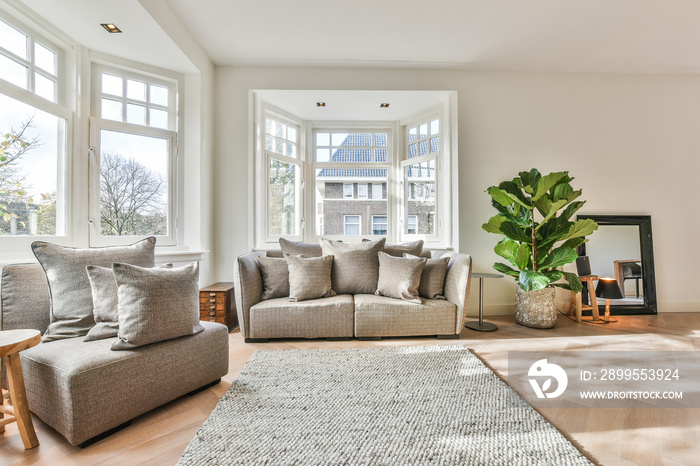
(363, 316)
(84, 389)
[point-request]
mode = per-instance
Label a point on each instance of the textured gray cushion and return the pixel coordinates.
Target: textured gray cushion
(399, 277)
(432, 281)
(71, 294)
(414, 248)
(275, 276)
(295, 248)
(105, 302)
(309, 278)
(314, 318)
(355, 265)
(379, 316)
(156, 304)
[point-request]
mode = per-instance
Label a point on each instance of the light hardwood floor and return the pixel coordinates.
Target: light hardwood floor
(610, 436)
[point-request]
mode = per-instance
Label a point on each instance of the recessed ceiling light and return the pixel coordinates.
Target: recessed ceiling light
(320, 104)
(110, 27)
(384, 105)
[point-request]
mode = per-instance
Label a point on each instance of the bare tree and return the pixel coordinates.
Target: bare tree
(131, 197)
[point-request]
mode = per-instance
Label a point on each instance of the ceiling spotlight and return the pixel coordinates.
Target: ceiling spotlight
(384, 105)
(110, 27)
(320, 104)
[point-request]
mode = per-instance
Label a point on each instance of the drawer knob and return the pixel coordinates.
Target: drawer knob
(212, 307)
(212, 313)
(213, 295)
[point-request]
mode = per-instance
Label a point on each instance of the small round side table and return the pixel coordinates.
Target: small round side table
(11, 343)
(480, 325)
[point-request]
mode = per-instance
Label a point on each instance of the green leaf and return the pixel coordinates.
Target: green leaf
(503, 268)
(546, 183)
(543, 205)
(572, 208)
(499, 196)
(553, 275)
(494, 224)
(507, 249)
(515, 232)
(562, 191)
(6, 216)
(558, 257)
(553, 209)
(574, 242)
(581, 228)
(553, 230)
(531, 281)
(575, 284)
(529, 180)
(515, 193)
(522, 256)
(515, 214)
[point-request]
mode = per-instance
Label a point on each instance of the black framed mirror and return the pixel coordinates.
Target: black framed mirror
(623, 248)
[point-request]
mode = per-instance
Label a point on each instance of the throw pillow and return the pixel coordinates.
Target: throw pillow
(309, 278)
(399, 249)
(275, 277)
(71, 294)
(355, 265)
(399, 277)
(295, 248)
(105, 302)
(432, 280)
(156, 304)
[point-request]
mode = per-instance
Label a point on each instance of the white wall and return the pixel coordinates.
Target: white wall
(631, 142)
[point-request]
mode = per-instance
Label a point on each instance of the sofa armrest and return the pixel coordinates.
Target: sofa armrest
(249, 286)
(458, 284)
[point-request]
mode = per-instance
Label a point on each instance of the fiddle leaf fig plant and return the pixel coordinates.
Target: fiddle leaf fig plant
(534, 215)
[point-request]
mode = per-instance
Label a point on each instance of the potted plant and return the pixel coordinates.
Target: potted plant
(537, 248)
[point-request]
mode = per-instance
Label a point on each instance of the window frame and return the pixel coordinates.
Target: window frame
(13, 247)
(385, 222)
(345, 224)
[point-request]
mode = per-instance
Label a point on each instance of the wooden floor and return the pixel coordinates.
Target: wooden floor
(609, 436)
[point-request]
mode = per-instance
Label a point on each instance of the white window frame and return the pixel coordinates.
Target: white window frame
(359, 224)
(414, 222)
(263, 237)
(348, 191)
(377, 187)
(14, 247)
(97, 124)
(360, 188)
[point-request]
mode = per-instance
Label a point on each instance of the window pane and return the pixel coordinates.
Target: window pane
(111, 109)
(323, 155)
(338, 139)
(112, 84)
(411, 223)
(282, 198)
(136, 114)
(29, 198)
(44, 87)
(380, 155)
(269, 143)
(133, 184)
(435, 144)
(434, 127)
(269, 126)
(44, 58)
(412, 134)
(423, 147)
(379, 225)
(362, 191)
(380, 139)
(159, 95)
(136, 90)
(420, 196)
(323, 139)
(291, 150)
(158, 118)
(333, 198)
(352, 225)
(13, 72)
(13, 40)
(412, 152)
(292, 133)
(352, 155)
(424, 130)
(280, 130)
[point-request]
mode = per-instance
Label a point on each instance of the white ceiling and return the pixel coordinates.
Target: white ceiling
(637, 36)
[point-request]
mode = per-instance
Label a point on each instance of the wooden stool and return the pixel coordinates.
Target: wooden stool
(11, 343)
(578, 301)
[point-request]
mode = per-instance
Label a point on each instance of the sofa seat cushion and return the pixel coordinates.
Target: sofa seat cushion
(380, 316)
(82, 388)
(315, 318)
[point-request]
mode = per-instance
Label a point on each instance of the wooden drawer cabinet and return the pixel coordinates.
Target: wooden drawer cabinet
(217, 304)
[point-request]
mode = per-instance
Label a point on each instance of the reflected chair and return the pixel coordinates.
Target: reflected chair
(632, 271)
(583, 268)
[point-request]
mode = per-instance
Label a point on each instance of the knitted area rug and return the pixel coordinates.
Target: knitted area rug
(437, 405)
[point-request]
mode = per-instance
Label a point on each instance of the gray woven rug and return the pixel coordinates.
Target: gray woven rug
(435, 405)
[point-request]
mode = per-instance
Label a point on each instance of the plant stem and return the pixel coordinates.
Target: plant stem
(534, 243)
